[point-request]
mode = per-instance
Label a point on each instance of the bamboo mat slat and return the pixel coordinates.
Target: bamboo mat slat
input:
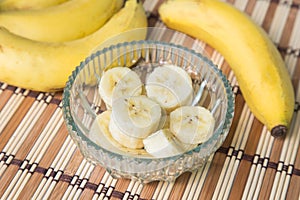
(38, 160)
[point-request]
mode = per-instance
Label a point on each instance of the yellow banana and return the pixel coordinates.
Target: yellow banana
(43, 66)
(257, 64)
(64, 22)
(6, 5)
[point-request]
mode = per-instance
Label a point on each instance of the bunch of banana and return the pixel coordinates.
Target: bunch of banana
(257, 64)
(136, 121)
(6, 5)
(44, 66)
(67, 21)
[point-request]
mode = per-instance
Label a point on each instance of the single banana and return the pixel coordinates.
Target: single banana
(192, 124)
(45, 66)
(257, 64)
(136, 116)
(170, 86)
(118, 82)
(164, 144)
(100, 134)
(6, 5)
(65, 22)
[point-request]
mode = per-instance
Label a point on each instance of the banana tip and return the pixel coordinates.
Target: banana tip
(279, 131)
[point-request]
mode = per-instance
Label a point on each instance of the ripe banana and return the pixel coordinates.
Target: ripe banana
(100, 134)
(163, 144)
(64, 22)
(118, 82)
(45, 66)
(136, 116)
(170, 86)
(6, 5)
(192, 124)
(257, 64)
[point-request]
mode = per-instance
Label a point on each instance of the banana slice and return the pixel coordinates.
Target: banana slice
(192, 124)
(100, 134)
(117, 82)
(136, 116)
(170, 86)
(163, 144)
(123, 138)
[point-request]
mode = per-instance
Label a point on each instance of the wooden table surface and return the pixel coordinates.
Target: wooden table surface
(38, 160)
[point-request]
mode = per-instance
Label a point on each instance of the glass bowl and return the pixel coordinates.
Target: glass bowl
(82, 103)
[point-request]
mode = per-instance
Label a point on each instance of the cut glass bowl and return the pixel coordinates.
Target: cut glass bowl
(82, 103)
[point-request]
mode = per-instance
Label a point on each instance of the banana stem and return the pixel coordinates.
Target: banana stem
(279, 131)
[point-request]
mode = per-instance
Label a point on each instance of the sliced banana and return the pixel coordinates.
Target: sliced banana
(192, 124)
(117, 82)
(136, 116)
(100, 134)
(170, 86)
(123, 138)
(163, 144)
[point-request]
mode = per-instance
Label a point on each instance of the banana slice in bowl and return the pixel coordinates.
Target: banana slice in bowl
(123, 138)
(101, 135)
(117, 82)
(192, 124)
(164, 144)
(170, 86)
(136, 116)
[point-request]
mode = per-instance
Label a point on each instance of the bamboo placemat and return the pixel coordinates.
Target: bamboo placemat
(38, 160)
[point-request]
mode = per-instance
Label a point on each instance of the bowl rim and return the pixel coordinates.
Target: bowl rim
(71, 125)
